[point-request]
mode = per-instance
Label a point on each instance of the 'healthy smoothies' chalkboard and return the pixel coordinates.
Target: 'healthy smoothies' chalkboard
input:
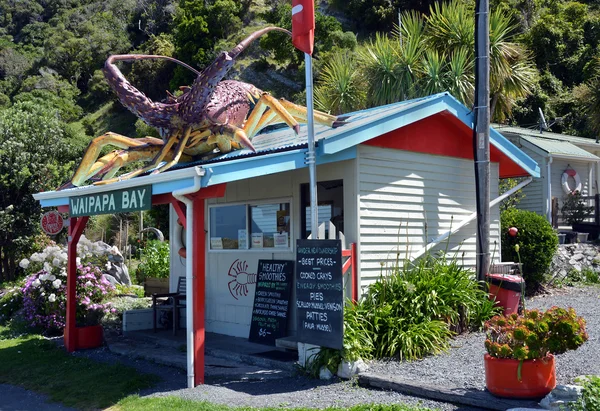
(319, 292)
(271, 301)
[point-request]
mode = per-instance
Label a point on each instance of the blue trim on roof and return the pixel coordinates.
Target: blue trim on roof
(245, 168)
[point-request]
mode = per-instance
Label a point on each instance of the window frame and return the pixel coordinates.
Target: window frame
(248, 204)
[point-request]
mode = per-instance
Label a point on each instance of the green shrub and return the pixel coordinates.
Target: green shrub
(537, 244)
(415, 310)
(11, 301)
(575, 209)
(154, 261)
(590, 397)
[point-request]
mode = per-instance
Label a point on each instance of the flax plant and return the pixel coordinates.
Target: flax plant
(433, 54)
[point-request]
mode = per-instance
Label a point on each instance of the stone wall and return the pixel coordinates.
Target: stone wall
(574, 256)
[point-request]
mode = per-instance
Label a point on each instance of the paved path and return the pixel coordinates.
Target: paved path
(19, 399)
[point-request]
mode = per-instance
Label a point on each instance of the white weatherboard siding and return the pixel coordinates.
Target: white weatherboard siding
(406, 196)
(535, 192)
(230, 313)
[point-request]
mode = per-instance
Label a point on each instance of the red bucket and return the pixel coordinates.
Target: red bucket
(506, 290)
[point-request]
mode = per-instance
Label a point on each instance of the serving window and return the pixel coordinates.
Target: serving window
(250, 226)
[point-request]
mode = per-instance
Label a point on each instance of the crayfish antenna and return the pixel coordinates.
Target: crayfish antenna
(340, 121)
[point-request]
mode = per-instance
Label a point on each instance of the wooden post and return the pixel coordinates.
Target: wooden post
(596, 209)
(76, 226)
(199, 284)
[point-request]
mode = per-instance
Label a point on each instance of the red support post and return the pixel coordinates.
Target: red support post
(76, 226)
(353, 257)
(199, 287)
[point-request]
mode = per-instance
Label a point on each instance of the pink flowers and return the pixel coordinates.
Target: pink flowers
(44, 298)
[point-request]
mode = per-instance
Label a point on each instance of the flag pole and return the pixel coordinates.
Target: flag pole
(311, 155)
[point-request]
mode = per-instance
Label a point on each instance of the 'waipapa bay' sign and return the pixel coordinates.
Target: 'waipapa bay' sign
(118, 201)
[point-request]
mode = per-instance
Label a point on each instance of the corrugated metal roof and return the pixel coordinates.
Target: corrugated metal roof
(560, 148)
(546, 135)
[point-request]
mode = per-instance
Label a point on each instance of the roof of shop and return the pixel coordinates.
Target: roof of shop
(281, 150)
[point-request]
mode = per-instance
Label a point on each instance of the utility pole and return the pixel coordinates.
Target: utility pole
(481, 135)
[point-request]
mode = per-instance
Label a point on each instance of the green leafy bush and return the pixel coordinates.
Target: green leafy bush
(415, 310)
(154, 261)
(590, 397)
(11, 300)
(537, 244)
(575, 209)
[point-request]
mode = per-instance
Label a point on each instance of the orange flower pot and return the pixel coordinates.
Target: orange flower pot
(89, 337)
(538, 377)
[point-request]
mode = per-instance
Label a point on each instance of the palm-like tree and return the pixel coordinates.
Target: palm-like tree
(436, 53)
(341, 88)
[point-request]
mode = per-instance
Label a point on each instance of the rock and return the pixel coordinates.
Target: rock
(325, 374)
(348, 369)
(118, 269)
(560, 397)
(578, 256)
(110, 279)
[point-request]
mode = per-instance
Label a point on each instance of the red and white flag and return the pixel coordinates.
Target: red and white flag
(303, 25)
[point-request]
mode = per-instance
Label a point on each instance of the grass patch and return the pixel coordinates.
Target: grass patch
(37, 364)
(135, 403)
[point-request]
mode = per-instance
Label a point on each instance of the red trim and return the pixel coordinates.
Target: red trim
(76, 227)
(215, 191)
(178, 206)
(199, 287)
(63, 209)
(354, 258)
(350, 264)
(159, 199)
(445, 135)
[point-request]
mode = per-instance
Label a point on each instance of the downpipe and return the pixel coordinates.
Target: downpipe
(549, 188)
(189, 269)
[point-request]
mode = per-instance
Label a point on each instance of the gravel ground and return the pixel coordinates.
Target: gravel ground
(462, 366)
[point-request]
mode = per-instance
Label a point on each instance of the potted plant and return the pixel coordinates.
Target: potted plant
(575, 211)
(154, 269)
(519, 362)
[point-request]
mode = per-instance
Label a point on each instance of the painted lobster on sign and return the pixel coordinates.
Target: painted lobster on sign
(211, 114)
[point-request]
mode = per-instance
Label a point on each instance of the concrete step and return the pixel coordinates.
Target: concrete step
(289, 343)
(215, 367)
(227, 348)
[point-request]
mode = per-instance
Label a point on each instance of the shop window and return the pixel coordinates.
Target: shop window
(270, 225)
(250, 226)
(228, 227)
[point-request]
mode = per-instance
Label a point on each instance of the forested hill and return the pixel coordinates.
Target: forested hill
(51, 51)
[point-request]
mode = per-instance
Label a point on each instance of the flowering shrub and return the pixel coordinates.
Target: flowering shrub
(534, 334)
(44, 292)
(44, 298)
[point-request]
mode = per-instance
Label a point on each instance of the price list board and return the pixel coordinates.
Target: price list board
(271, 301)
(320, 293)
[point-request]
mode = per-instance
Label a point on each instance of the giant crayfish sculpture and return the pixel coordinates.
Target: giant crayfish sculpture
(210, 114)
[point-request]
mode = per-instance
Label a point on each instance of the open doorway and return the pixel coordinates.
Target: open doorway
(330, 197)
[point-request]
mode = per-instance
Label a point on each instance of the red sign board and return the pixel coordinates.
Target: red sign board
(52, 222)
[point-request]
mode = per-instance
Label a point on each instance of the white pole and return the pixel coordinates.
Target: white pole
(311, 155)
(189, 270)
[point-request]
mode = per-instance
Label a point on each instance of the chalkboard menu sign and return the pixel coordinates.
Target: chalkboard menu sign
(271, 301)
(320, 293)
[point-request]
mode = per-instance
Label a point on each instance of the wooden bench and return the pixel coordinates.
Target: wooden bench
(170, 301)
